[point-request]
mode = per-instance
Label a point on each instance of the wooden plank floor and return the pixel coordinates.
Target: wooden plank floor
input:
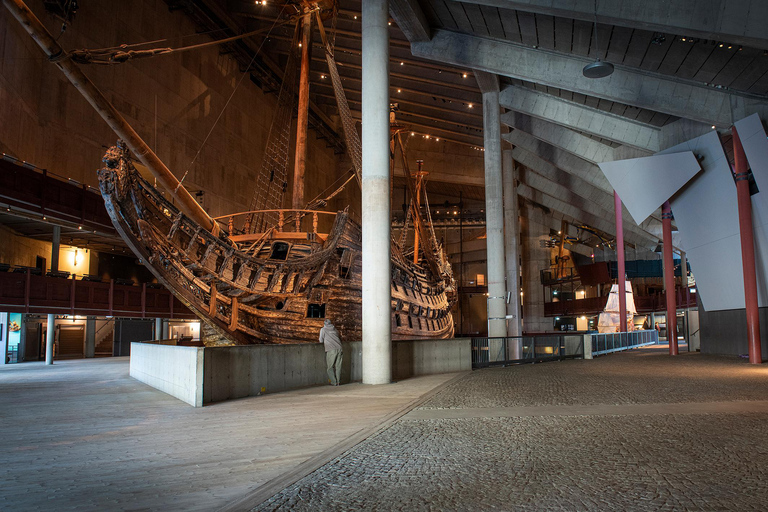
(83, 435)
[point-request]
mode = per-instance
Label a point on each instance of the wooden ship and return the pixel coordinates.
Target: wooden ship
(267, 275)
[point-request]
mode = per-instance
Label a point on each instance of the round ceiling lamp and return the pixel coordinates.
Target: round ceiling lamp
(597, 69)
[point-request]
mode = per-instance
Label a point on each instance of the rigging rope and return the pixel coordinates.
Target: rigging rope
(272, 179)
(221, 113)
(352, 138)
(121, 54)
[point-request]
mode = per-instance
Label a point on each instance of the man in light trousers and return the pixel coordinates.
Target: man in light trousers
(329, 337)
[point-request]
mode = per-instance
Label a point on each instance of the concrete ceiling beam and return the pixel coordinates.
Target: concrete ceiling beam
(741, 21)
(565, 138)
(410, 19)
(574, 214)
(561, 159)
(600, 190)
(630, 86)
(487, 82)
(581, 117)
(569, 189)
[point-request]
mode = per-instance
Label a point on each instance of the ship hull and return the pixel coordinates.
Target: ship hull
(278, 290)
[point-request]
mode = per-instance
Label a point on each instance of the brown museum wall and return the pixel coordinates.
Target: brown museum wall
(44, 120)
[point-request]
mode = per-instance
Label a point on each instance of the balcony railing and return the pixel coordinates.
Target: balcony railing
(25, 292)
(594, 305)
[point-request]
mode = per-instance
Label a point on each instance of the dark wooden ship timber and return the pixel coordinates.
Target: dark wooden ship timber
(266, 275)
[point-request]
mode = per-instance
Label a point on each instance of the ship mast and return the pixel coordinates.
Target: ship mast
(119, 125)
(303, 113)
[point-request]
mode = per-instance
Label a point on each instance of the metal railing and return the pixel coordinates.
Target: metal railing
(606, 343)
(504, 351)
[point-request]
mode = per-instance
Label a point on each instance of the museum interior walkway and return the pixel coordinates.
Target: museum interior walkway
(629, 431)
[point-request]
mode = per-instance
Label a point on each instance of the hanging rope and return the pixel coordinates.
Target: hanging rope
(122, 53)
(352, 138)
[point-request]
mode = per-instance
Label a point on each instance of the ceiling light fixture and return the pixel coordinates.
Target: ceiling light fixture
(597, 69)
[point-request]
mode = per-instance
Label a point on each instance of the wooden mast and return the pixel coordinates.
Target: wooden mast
(303, 113)
(119, 125)
(419, 175)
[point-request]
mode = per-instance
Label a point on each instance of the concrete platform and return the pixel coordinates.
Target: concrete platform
(83, 435)
(629, 431)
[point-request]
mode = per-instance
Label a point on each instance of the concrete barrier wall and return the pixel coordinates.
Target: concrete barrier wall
(426, 357)
(236, 372)
(224, 373)
(177, 371)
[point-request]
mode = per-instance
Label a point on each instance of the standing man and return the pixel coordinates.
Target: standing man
(329, 336)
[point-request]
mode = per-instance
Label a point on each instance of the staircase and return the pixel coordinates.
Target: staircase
(104, 346)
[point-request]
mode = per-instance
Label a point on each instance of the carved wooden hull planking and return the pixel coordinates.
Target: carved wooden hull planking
(277, 287)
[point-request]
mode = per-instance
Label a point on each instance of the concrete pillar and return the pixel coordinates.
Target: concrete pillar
(621, 265)
(158, 328)
(49, 339)
(511, 250)
(90, 336)
(669, 279)
(494, 213)
(535, 227)
(377, 314)
(55, 249)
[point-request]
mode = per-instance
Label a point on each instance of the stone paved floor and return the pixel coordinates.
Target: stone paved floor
(82, 435)
(630, 431)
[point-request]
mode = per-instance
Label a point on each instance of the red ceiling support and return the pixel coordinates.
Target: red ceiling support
(620, 258)
(669, 279)
(747, 249)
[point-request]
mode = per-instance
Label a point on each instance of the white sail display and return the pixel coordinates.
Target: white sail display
(609, 319)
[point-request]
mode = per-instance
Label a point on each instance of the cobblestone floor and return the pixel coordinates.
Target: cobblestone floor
(597, 461)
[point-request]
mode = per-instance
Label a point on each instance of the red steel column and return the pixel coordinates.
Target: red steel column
(620, 259)
(669, 278)
(747, 249)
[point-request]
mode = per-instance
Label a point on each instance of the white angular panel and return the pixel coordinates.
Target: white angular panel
(643, 184)
(706, 213)
(755, 145)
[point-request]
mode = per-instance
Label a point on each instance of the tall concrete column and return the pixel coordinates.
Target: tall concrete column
(669, 278)
(377, 314)
(90, 336)
(622, 272)
(49, 339)
(55, 249)
(494, 205)
(158, 328)
(512, 250)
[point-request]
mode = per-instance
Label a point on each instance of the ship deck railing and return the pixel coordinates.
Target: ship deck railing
(290, 224)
